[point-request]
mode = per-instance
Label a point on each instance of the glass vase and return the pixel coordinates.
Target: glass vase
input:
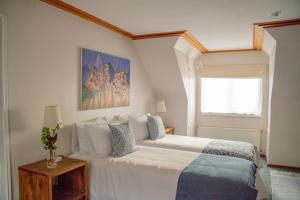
(51, 160)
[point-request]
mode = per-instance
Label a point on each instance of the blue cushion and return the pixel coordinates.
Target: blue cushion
(156, 127)
(122, 140)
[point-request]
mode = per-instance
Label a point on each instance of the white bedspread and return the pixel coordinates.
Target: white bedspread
(146, 174)
(183, 143)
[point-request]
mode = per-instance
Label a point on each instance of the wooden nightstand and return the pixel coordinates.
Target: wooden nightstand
(169, 130)
(65, 182)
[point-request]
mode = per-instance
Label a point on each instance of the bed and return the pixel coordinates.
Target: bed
(139, 127)
(204, 145)
(148, 173)
(158, 173)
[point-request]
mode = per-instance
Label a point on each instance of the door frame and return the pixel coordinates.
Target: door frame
(5, 181)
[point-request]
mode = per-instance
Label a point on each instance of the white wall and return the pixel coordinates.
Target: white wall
(269, 47)
(188, 82)
(187, 57)
(247, 58)
(44, 69)
(170, 64)
(284, 136)
(160, 62)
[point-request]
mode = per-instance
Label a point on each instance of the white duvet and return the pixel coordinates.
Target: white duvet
(146, 174)
(184, 143)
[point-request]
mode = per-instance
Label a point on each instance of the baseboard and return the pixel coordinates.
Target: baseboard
(283, 167)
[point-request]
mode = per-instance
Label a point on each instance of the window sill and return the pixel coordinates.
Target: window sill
(230, 115)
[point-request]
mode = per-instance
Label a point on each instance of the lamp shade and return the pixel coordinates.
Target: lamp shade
(52, 117)
(161, 107)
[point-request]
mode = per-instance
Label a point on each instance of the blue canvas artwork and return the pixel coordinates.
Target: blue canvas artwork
(105, 80)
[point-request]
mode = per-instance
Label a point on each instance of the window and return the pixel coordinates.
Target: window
(231, 95)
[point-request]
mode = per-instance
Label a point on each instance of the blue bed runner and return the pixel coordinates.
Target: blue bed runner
(215, 177)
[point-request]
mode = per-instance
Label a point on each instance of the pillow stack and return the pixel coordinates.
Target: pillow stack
(146, 126)
(116, 136)
(100, 139)
(80, 140)
(138, 126)
(103, 137)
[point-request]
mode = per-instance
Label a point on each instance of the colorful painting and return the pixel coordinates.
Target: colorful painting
(105, 80)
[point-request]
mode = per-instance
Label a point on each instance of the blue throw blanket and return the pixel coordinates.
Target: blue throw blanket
(215, 177)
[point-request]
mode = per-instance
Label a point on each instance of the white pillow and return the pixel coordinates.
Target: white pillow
(114, 120)
(99, 135)
(122, 119)
(84, 144)
(77, 127)
(138, 126)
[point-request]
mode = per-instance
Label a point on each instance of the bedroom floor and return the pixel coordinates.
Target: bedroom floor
(282, 184)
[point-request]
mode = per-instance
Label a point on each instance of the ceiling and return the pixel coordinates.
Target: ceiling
(217, 24)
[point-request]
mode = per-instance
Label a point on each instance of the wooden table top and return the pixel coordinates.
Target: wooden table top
(40, 167)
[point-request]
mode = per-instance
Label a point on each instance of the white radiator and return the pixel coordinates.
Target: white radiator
(236, 134)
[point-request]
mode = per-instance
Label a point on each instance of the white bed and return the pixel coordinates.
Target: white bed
(198, 144)
(148, 173)
(184, 143)
(138, 126)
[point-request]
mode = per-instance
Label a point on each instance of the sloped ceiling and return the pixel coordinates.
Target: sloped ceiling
(221, 24)
(159, 59)
(160, 62)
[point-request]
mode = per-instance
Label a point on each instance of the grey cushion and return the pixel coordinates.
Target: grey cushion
(156, 127)
(122, 140)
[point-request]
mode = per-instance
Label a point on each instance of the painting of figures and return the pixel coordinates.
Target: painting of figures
(105, 80)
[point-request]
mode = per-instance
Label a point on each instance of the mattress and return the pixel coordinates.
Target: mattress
(148, 173)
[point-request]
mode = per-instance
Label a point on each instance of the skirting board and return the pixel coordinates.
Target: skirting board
(283, 167)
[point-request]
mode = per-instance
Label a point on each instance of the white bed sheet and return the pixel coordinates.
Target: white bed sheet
(183, 143)
(146, 174)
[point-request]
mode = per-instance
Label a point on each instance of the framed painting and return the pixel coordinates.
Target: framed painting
(105, 80)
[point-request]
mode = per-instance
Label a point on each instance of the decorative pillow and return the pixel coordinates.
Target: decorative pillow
(80, 141)
(99, 135)
(122, 140)
(156, 127)
(138, 126)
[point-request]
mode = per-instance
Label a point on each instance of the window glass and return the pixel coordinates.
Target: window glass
(231, 95)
